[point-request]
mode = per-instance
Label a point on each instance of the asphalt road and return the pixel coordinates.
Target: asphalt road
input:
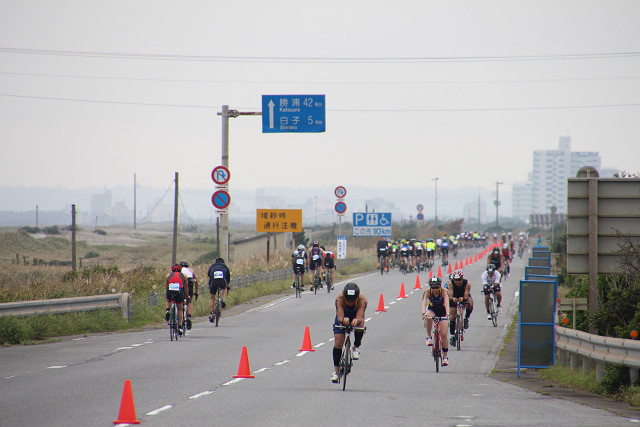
(79, 381)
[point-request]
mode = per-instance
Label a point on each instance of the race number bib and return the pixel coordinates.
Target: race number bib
(316, 257)
(300, 261)
(174, 286)
(218, 274)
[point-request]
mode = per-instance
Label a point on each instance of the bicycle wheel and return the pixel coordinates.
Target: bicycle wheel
(494, 313)
(217, 310)
(329, 282)
(174, 323)
(298, 289)
(316, 282)
(381, 263)
(436, 349)
(171, 320)
(184, 318)
(458, 331)
(345, 363)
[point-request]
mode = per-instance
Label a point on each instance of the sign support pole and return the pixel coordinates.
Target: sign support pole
(224, 217)
(593, 249)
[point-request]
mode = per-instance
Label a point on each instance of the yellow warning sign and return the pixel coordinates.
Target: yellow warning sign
(279, 220)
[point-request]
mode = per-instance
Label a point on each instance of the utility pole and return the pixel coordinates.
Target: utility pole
(134, 201)
(73, 237)
(174, 252)
(436, 207)
(478, 210)
(224, 217)
(497, 202)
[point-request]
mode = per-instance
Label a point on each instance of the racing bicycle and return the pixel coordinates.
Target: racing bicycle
(346, 360)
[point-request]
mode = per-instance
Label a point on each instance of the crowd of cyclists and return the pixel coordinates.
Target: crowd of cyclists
(442, 299)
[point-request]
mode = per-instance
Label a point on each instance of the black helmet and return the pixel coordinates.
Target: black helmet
(491, 268)
(496, 250)
(183, 264)
(435, 282)
(176, 267)
(219, 261)
(351, 292)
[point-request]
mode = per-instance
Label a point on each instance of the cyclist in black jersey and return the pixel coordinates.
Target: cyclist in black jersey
(459, 290)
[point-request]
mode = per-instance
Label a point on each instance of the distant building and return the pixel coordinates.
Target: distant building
(101, 204)
(547, 184)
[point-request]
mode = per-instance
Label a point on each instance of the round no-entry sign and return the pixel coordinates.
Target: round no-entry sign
(340, 192)
(420, 207)
(341, 207)
(221, 199)
(220, 175)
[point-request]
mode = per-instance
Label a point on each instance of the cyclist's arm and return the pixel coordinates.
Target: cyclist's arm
(446, 303)
(340, 309)
(425, 298)
(362, 306)
(467, 291)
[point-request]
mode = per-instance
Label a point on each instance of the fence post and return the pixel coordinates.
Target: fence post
(586, 365)
(125, 304)
(633, 375)
(599, 370)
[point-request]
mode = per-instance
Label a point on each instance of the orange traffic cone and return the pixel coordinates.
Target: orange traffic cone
(402, 294)
(381, 304)
(417, 286)
(306, 341)
(127, 414)
(430, 274)
(449, 269)
(243, 368)
(439, 272)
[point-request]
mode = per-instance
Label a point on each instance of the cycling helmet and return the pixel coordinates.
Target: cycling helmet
(219, 261)
(351, 292)
(176, 267)
(435, 282)
(315, 244)
(457, 274)
(301, 247)
(505, 246)
(491, 268)
(183, 264)
(496, 250)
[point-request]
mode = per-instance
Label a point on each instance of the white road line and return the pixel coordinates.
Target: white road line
(302, 353)
(137, 345)
(56, 367)
(281, 363)
(10, 376)
(204, 393)
(319, 345)
(233, 381)
(124, 348)
(260, 370)
(78, 339)
(392, 302)
(157, 411)
(367, 319)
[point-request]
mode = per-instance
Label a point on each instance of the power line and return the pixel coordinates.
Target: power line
(342, 110)
(359, 82)
(290, 59)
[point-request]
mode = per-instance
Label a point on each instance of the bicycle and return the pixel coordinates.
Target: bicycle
(217, 308)
(298, 287)
(174, 332)
(459, 330)
(328, 281)
(316, 281)
(381, 264)
(346, 360)
(184, 317)
(492, 309)
(436, 350)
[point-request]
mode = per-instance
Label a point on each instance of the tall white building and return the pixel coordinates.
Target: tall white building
(547, 184)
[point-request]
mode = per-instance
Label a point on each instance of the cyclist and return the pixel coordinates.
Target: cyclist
(444, 247)
(506, 255)
(219, 278)
(459, 290)
(496, 258)
(405, 252)
(383, 252)
(329, 264)
(192, 281)
(419, 249)
(316, 260)
(299, 258)
(431, 251)
(350, 308)
(176, 292)
(435, 303)
(491, 283)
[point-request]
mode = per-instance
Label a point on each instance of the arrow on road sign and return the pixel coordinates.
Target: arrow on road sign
(271, 105)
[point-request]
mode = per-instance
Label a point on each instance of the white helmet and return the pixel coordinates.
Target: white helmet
(301, 247)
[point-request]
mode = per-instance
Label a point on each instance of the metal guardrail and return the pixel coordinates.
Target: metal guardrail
(67, 305)
(270, 276)
(574, 345)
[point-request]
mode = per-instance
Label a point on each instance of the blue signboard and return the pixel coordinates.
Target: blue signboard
(293, 113)
(372, 224)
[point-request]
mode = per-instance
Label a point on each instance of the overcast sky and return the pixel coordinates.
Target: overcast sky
(93, 92)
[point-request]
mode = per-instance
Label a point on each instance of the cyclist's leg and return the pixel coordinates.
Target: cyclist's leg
(444, 337)
(428, 324)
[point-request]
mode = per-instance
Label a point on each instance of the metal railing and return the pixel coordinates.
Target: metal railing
(67, 305)
(573, 346)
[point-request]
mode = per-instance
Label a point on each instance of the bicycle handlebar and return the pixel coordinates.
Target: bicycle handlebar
(349, 328)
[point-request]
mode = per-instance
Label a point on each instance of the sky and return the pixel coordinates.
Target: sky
(92, 93)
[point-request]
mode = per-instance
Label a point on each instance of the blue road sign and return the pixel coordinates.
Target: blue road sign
(293, 113)
(341, 207)
(420, 216)
(372, 224)
(221, 199)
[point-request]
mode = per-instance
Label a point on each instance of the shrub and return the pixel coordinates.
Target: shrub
(52, 230)
(100, 232)
(92, 254)
(30, 230)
